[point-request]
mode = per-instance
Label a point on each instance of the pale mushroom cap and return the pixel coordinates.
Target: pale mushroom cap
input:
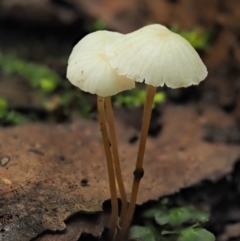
(89, 69)
(93, 42)
(157, 56)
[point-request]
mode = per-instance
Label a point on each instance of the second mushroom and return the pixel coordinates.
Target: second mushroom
(89, 70)
(156, 56)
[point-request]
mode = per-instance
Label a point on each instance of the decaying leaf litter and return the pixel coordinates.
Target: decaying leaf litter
(58, 170)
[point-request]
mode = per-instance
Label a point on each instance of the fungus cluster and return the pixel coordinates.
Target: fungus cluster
(105, 63)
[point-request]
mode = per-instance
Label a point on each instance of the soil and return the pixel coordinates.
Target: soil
(49, 44)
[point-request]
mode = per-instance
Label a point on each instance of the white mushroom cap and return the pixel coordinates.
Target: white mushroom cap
(89, 69)
(93, 42)
(157, 56)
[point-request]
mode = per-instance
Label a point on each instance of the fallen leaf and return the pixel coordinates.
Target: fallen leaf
(57, 171)
(83, 223)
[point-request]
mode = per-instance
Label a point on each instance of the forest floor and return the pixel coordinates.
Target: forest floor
(53, 178)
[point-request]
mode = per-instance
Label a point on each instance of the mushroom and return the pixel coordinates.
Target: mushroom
(156, 56)
(89, 70)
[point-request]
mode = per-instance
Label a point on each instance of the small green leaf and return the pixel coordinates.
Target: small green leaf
(3, 107)
(66, 99)
(162, 217)
(99, 25)
(143, 233)
(15, 118)
(198, 234)
(84, 106)
(178, 216)
(47, 85)
(38, 76)
(159, 210)
(197, 37)
(136, 97)
(159, 98)
(166, 232)
(199, 215)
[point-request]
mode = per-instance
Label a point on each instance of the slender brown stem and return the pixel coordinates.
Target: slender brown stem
(139, 172)
(111, 175)
(117, 166)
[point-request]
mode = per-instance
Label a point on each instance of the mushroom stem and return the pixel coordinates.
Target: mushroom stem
(111, 175)
(139, 171)
(117, 166)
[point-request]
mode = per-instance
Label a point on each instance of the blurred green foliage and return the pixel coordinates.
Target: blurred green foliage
(84, 106)
(59, 96)
(70, 101)
(171, 224)
(39, 76)
(10, 117)
(3, 107)
(136, 97)
(99, 24)
(199, 38)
